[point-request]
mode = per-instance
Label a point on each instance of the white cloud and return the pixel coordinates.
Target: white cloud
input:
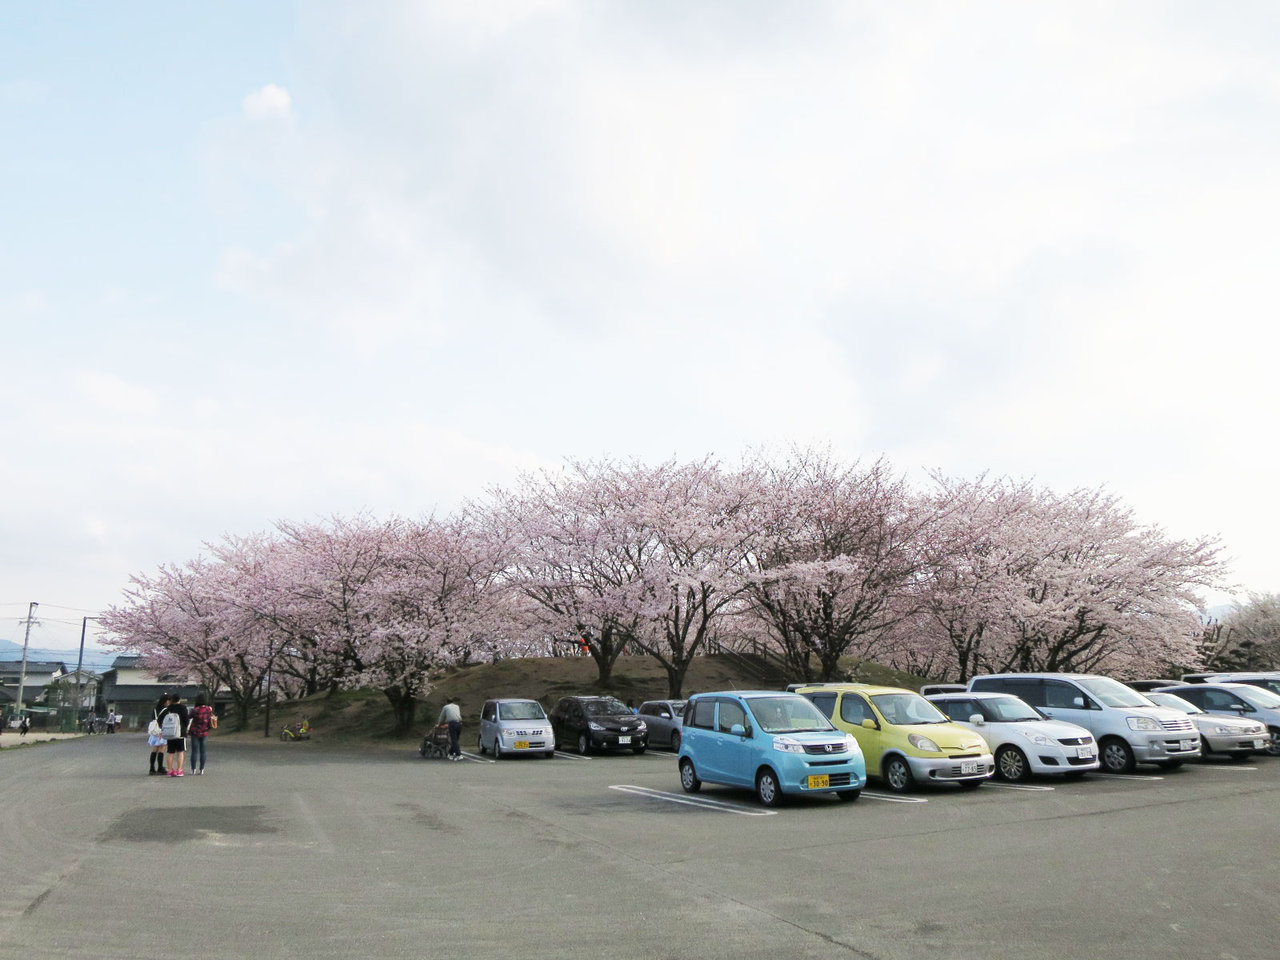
(268, 103)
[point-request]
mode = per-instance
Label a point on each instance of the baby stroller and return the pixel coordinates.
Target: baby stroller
(435, 745)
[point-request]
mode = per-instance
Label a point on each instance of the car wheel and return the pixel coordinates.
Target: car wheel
(1205, 750)
(1116, 756)
(480, 745)
(675, 741)
(497, 750)
(767, 790)
(583, 744)
(1011, 765)
(1273, 749)
(849, 795)
(549, 754)
(897, 774)
(689, 777)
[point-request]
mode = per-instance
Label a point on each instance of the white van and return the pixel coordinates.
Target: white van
(1129, 728)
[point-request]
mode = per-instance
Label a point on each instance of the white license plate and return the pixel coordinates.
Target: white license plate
(1259, 744)
(1085, 753)
(1188, 744)
(968, 767)
(624, 739)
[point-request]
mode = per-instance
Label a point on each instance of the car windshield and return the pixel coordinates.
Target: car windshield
(605, 707)
(1173, 702)
(787, 714)
(521, 710)
(1113, 693)
(907, 708)
(1008, 710)
(1261, 697)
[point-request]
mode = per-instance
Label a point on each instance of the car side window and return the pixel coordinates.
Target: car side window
(1217, 700)
(648, 709)
(489, 709)
(704, 712)
(853, 709)
(959, 709)
(826, 702)
(1030, 691)
(731, 712)
(1062, 695)
(1195, 696)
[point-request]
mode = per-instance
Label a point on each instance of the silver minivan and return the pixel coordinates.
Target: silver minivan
(1129, 728)
(509, 727)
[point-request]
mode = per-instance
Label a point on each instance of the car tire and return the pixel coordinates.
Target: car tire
(675, 741)
(849, 795)
(480, 745)
(689, 777)
(549, 754)
(898, 776)
(1274, 749)
(1116, 756)
(1240, 756)
(768, 790)
(1012, 765)
(497, 750)
(583, 744)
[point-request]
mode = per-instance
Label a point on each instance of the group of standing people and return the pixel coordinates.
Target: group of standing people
(169, 753)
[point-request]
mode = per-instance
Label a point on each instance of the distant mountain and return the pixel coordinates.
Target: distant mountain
(95, 660)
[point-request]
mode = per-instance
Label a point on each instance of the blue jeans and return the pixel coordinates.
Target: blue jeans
(455, 731)
(198, 754)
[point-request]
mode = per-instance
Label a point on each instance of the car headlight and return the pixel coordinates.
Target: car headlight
(642, 726)
(787, 745)
(592, 725)
(1224, 731)
(1143, 723)
(508, 734)
(923, 743)
(1039, 738)
(851, 744)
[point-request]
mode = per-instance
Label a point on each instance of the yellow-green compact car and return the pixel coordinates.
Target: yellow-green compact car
(905, 739)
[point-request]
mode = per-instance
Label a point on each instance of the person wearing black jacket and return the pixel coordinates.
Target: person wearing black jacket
(177, 746)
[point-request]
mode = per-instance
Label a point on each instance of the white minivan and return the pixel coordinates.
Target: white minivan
(1129, 728)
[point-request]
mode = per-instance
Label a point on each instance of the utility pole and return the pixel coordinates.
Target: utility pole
(22, 682)
(84, 625)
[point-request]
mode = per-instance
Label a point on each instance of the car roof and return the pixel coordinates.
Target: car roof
(749, 694)
(1038, 675)
(973, 695)
(1211, 686)
(867, 688)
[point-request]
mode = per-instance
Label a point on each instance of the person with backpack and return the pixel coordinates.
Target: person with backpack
(174, 720)
(202, 721)
(155, 738)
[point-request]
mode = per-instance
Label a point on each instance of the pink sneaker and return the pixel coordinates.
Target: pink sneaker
(178, 774)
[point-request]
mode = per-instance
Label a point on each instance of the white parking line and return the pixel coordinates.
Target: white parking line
(1122, 776)
(571, 756)
(885, 796)
(472, 757)
(1233, 767)
(705, 803)
(1029, 787)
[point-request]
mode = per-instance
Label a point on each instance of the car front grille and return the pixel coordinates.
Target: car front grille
(1081, 761)
(822, 749)
(1176, 725)
(840, 779)
(1075, 741)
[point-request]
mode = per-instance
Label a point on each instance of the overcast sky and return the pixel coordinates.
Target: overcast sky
(264, 261)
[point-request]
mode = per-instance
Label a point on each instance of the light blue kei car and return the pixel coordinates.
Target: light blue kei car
(775, 743)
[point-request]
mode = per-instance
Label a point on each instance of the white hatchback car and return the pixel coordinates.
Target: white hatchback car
(509, 727)
(1023, 740)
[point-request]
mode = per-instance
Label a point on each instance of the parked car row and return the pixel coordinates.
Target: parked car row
(832, 737)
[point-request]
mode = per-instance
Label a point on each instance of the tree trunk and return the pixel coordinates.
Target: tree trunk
(403, 707)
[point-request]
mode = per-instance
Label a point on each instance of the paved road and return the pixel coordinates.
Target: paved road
(289, 851)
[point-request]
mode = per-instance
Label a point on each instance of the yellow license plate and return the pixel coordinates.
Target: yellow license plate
(817, 782)
(522, 744)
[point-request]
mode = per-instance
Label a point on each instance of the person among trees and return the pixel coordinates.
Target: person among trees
(176, 747)
(202, 721)
(155, 740)
(451, 714)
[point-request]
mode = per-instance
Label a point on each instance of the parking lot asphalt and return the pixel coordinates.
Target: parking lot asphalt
(292, 850)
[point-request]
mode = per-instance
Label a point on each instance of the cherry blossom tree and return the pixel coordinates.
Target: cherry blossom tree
(834, 560)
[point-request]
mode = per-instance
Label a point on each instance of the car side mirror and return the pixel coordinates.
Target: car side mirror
(977, 719)
(1078, 703)
(1241, 708)
(869, 723)
(738, 730)
(664, 715)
